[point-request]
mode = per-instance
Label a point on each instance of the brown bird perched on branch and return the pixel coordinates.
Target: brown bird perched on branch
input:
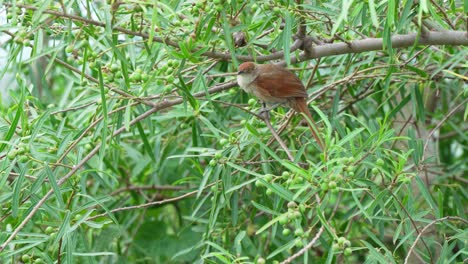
(276, 85)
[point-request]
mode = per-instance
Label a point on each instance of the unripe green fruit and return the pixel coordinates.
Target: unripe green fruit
(49, 230)
(69, 48)
(283, 220)
(223, 141)
(299, 242)
(298, 232)
(25, 258)
(213, 163)
(380, 162)
(348, 252)
(268, 177)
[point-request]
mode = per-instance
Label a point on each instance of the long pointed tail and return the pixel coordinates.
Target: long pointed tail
(299, 104)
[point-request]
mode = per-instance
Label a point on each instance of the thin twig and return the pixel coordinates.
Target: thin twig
(277, 137)
(426, 227)
(463, 103)
(145, 205)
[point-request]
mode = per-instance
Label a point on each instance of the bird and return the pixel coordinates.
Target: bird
(276, 85)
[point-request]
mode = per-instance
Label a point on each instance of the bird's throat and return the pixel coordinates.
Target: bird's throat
(245, 82)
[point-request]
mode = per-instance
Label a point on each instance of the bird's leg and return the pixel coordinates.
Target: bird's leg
(267, 109)
(265, 112)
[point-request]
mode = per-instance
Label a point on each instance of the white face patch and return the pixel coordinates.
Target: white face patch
(244, 81)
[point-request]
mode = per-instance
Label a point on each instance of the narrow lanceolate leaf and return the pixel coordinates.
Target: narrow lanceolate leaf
(53, 182)
(14, 122)
(17, 192)
(427, 196)
(373, 14)
(287, 35)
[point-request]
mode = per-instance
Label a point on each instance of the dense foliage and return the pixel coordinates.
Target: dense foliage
(124, 137)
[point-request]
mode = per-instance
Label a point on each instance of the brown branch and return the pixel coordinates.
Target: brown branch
(169, 200)
(148, 188)
(454, 38)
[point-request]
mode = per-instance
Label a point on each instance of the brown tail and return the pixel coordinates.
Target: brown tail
(299, 104)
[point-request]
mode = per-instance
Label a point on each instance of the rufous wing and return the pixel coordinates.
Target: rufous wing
(280, 82)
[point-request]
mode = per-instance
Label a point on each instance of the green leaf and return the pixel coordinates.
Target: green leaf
(55, 187)
(373, 14)
(287, 36)
(427, 196)
(187, 95)
(14, 122)
(15, 203)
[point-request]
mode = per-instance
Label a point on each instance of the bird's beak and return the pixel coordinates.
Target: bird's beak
(240, 72)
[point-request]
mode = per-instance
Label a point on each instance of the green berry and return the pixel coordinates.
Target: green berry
(324, 186)
(298, 179)
(335, 247)
(297, 214)
(23, 158)
(380, 162)
(283, 220)
(49, 230)
(298, 232)
(286, 232)
(347, 243)
(25, 258)
(348, 252)
(298, 242)
(213, 163)
(170, 79)
(268, 177)
(232, 91)
(223, 142)
(12, 154)
(169, 71)
(341, 241)
(78, 217)
(258, 183)
(302, 208)
(69, 48)
(114, 67)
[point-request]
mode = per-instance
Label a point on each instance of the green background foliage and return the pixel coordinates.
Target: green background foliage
(125, 139)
